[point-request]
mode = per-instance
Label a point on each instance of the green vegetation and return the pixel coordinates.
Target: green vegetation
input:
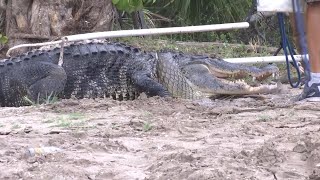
(15, 126)
(147, 126)
(223, 50)
(175, 13)
(3, 39)
(50, 99)
(264, 118)
(68, 120)
(131, 5)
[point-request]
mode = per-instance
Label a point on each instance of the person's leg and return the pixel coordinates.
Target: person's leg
(312, 88)
(296, 35)
(313, 35)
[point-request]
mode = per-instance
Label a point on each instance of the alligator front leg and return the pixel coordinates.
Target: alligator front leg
(170, 76)
(48, 86)
(208, 84)
(145, 83)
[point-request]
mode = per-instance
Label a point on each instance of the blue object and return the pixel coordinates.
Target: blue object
(298, 12)
(287, 49)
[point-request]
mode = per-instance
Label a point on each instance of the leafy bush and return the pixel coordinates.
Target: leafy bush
(131, 5)
(176, 13)
(195, 12)
(3, 39)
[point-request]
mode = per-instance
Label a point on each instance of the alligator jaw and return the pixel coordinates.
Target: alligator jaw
(204, 81)
(237, 88)
(242, 88)
(222, 69)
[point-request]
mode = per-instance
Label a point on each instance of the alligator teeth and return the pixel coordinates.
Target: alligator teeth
(275, 75)
(240, 81)
(254, 79)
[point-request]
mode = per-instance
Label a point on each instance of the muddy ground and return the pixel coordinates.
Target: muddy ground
(262, 137)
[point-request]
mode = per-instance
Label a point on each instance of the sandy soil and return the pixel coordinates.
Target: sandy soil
(263, 137)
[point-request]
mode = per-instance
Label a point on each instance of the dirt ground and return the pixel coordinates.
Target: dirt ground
(262, 137)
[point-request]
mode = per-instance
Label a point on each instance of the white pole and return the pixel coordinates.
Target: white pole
(140, 32)
(158, 31)
(265, 59)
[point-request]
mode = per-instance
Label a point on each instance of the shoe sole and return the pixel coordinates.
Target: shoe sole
(313, 99)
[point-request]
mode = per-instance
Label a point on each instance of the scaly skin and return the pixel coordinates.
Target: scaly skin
(206, 75)
(98, 70)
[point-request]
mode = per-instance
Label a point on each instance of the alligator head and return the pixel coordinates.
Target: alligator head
(212, 76)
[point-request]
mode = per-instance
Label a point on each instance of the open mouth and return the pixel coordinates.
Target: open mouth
(254, 73)
(233, 79)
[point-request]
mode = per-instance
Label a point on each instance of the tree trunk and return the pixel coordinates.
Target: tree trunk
(30, 21)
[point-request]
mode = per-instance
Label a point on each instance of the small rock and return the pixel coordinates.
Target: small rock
(300, 148)
(28, 129)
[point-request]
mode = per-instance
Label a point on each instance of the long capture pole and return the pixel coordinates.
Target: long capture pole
(140, 32)
(265, 59)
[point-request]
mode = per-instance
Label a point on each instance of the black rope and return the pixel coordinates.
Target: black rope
(288, 50)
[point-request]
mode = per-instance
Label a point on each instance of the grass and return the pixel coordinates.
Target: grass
(49, 99)
(15, 126)
(223, 50)
(48, 121)
(147, 126)
(61, 122)
(264, 118)
(68, 120)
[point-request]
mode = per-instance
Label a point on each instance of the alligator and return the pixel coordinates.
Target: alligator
(111, 69)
